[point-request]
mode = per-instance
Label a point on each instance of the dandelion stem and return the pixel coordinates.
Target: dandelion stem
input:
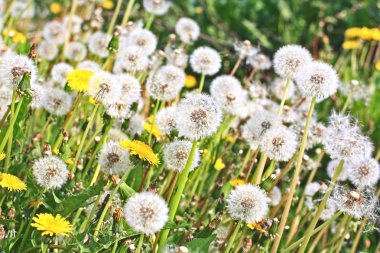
(321, 207)
(127, 12)
(270, 169)
(150, 21)
(9, 145)
(236, 66)
(140, 243)
(322, 226)
(202, 83)
(294, 182)
(287, 84)
(74, 5)
(114, 17)
(256, 179)
(153, 120)
(174, 203)
(232, 239)
(346, 221)
(358, 235)
(84, 136)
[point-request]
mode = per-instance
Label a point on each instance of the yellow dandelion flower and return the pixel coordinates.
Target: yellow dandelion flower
(107, 4)
(256, 226)
(375, 33)
(229, 138)
(2, 156)
(351, 44)
(92, 100)
(152, 129)
(78, 79)
(55, 8)
(19, 38)
(237, 181)
(190, 81)
(56, 151)
(377, 65)
(52, 225)
(69, 161)
(198, 10)
(219, 164)
(352, 32)
(11, 182)
(142, 150)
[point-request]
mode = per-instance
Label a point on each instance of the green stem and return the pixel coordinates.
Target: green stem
(150, 21)
(321, 207)
(10, 139)
(322, 226)
(105, 210)
(74, 4)
(83, 227)
(84, 136)
(346, 104)
(11, 124)
(154, 119)
(127, 12)
(256, 179)
(232, 239)
(358, 235)
(287, 84)
(347, 220)
(174, 203)
(294, 182)
(114, 17)
(270, 170)
(139, 246)
(202, 83)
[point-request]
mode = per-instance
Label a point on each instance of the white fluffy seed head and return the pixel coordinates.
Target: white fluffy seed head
(333, 164)
(364, 173)
(130, 60)
(278, 88)
(98, 44)
(176, 57)
(247, 203)
(76, 51)
(198, 116)
(119, 109)
(354, 202)
(177, 153)
(166, 83)
(89, 65)
(261, 122)
(188, 30)
(54, 32)
(136, 124)
(228, 94)
(288, 60)
(245, 49)
(275, 196)
(38, 95)
(318, 80)
(259, 61)
(59, 73)
(312, 188)
(205, 60)
(166, 119)
(57, 101)
(146, 212)
(76, 23)
(156, 7)
(47, 50)
(113, 159)
(50, 172)
(13, 67)
(104, 87)
(130, 88)
(143, 39)
(279, 143)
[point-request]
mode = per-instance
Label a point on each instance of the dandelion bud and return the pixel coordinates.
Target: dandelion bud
(47, 149)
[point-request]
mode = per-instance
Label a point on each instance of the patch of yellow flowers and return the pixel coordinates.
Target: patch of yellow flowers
(355, 35)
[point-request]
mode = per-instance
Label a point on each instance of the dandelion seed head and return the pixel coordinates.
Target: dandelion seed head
(228, 94)
(188, 30)
(166, 119)
(245, 49)
(205, 60)
(198, 116)
(59, 73)
(54, 32)
(142, 39)
(13, 67)
(47, 50)
(278, 88)
(136, 123)
(50, 172)
(38, 93)
(104, 87)
(98, 44)
(247, 203)
(289, 59)
(156, 7)
(76, 23)
(146, 212)
(130, 59)
(333, 164)
(275, 196)
(259, 61)
(166, 83)
(57, 101)
(76, 51)
(113, 159)
(176, 57)
(130, 88)
(89, 65)
(279, 143)
(364, 172)
(176, 155)
(119, 109)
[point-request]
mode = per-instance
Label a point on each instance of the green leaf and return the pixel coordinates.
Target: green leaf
(200, 244)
